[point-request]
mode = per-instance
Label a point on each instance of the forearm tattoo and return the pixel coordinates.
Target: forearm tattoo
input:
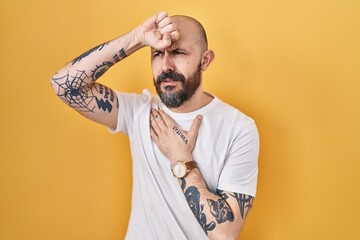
(74, 90)
(245, 201)
(192, 196)
(220, 210)
(100, 70)
(119, 56)
(87, 53)
(78, 89)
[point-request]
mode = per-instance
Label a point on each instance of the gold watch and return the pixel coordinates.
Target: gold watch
(182, 168)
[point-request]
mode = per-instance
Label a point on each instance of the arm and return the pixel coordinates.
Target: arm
(221, 214)
(76, 85)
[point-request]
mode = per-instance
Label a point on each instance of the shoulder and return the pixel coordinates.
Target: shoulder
(232, 115)
(135, 99)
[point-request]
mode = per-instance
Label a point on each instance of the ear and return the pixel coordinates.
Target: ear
(206, 58)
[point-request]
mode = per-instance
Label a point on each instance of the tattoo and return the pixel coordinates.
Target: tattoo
(192, 196)
(74, 91)
(103, 89)
(222, 194)
(220, 210)
(87, 53)
(108, 93)
(245, 201)
(122, 53)
(100, 70)
(181, 135)
(79, 94)
(103, 105)
(183, 184)
(120, 56)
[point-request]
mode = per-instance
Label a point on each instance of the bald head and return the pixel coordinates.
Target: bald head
(189, 25)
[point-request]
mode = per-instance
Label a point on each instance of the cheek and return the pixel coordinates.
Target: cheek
(155, 68)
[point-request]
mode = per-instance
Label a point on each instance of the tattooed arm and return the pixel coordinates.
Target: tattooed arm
(76, 85)
(221, 214)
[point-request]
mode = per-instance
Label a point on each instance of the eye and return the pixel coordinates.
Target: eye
(178, 52)
(157, 53)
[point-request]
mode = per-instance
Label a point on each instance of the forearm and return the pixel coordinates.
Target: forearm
(75, 83)
(213, 213)
(96, 61)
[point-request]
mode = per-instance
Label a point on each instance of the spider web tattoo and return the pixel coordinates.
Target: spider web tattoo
(75, 92)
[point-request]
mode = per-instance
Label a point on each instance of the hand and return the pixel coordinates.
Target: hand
(159, 31)
(175, 143)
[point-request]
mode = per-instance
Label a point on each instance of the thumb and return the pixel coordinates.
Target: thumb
(194, 130)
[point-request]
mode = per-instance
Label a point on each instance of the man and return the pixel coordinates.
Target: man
(195, 161)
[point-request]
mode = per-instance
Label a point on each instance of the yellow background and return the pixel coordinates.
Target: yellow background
(294, 66)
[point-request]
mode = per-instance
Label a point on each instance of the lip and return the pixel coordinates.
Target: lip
(168, 82)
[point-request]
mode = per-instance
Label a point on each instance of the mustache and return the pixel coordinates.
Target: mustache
(170, 75)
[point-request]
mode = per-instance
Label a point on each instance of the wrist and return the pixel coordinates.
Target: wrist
(181, 168)
(138, 37)
(182, 158)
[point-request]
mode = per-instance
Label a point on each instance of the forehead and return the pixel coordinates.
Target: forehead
(188, 35)
(188, 30)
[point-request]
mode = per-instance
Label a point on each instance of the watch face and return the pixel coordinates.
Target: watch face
(179, 169)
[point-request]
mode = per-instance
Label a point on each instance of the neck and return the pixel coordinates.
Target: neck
(197, 101)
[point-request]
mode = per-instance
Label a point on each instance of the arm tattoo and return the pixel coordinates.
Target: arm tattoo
(87, 53)
(109, 94)
(74, 91)
(192, 196)
(77, 88)
(100, 70)
(220, 210)
(245, 201)
(183, 184)
(79, 95)
(120, 56)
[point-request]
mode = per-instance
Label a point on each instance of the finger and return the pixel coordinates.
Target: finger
(194, 130)
(166, 42)
(153, 135)
(167, 119)
(168, 29)
(159, 119)
(165, 21)
(160, 16)
(154, 124)
(174, 36)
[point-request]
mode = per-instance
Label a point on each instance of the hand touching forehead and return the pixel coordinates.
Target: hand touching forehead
(191, 31)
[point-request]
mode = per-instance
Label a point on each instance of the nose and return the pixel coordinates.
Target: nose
(167, 64)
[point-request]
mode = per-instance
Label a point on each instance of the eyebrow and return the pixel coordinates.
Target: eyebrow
(157, 51)
(174, 48)
(178, 49)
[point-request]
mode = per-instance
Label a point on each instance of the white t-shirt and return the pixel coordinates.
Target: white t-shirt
(226, 153)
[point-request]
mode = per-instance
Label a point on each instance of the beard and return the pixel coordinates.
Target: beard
(172, 98)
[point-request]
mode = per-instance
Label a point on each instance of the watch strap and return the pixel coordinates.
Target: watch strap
(190, 165)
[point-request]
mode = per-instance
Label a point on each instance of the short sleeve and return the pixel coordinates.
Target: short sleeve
(240, 170)
(129, 105)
